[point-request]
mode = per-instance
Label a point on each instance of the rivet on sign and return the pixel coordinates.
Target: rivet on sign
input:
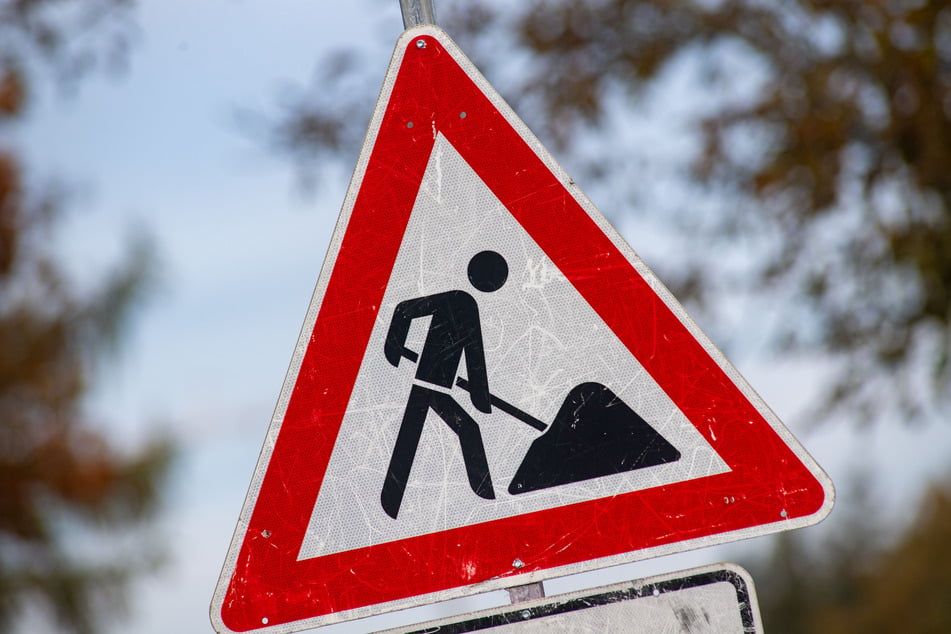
(409, 124)
(518, 563)
(265, 533)
(420, 43)
(656, 592)
(783, 513)
(264, 621)
(526, 614)
(462, 115)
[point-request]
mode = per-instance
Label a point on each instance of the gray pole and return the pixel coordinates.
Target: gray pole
(416, 12)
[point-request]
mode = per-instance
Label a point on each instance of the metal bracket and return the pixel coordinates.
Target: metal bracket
(529, 591)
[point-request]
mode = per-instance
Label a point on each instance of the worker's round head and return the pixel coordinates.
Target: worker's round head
(488, 271)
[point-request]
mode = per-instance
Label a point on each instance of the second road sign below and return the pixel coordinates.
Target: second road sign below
(490, 388)
(717, 599)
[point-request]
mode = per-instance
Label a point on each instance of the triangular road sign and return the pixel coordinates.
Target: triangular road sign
(490, 387)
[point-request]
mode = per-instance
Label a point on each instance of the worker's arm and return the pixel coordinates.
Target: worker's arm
(394, 348)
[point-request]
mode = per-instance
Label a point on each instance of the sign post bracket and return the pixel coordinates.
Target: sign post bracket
(528, 592)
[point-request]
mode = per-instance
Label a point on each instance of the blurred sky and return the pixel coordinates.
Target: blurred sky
(241, 249)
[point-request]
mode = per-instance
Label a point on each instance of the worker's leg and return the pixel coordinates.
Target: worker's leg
(470, 439)
(404, 450)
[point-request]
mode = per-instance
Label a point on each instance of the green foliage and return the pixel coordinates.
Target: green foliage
(835, 167)
(62, 481)
(851, 129)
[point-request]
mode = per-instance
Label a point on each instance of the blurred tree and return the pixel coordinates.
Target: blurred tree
(823, 127)
(858, 581)
(60, 480)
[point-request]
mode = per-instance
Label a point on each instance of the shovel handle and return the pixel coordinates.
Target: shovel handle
(508, 408)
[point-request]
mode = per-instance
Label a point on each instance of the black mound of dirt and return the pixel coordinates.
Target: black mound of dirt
(594, 434)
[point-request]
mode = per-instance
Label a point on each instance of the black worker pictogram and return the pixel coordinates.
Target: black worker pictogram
(594, 433)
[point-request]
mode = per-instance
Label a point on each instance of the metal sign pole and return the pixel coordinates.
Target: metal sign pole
(416, 12)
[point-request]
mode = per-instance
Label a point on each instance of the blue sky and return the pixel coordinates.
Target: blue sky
(241, 248)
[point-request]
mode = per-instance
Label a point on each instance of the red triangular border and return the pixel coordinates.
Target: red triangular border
(769, 486)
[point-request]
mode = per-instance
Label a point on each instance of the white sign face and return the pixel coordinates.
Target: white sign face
(710, 600)
(540, 340)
